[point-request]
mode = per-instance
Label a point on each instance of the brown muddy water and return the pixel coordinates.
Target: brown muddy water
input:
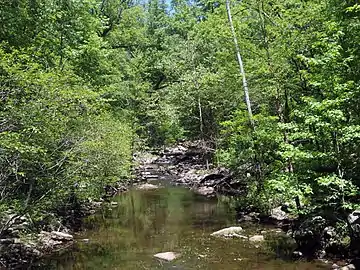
(143, 223)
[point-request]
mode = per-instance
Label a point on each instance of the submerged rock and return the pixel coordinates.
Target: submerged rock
(257, 238)
(229, 232)
(167, 256)
(147, 187)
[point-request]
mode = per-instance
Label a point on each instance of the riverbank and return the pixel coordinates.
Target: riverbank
(24, 240)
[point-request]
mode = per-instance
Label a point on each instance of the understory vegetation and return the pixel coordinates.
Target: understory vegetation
(82, 82)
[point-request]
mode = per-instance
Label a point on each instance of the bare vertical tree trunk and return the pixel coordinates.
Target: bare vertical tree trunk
(201, 119)
(241, 65)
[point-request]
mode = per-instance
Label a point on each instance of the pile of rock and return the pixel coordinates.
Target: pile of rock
(15, 249)
(188, 164)
(318, 236)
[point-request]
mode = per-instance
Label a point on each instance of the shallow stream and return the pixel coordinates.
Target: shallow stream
(143, 223)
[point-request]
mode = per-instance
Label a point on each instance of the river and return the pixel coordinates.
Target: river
(142, 223)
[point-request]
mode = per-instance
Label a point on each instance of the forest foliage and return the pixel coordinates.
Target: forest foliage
(82, 81)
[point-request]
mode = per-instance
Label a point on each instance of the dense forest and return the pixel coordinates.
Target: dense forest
(84, 84)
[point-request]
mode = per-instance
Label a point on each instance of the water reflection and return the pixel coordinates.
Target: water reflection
(169, 219)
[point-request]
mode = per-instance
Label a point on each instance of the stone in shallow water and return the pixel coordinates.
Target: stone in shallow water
(167, 256)
(228, 232)
(147, 187)
(257, 238)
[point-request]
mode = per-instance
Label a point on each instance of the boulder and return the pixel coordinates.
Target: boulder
(228, 232)
(257, 238)
(354, 217)
(167, 256)
(278, 214)
(309, 235)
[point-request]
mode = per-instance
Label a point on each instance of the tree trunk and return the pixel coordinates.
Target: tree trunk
(241, 65)
(201, 119)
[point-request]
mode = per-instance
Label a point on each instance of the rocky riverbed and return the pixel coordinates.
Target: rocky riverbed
(189, 164)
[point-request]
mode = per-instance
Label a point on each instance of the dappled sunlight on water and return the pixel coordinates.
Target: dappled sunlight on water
(169, 219)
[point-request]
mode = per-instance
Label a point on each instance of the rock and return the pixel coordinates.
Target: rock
(18, 241)
(151, 176)
(36, 252)
(52, 243)
(14, 232)
(228, 232)
(257, 238)
(96, 204)
(334, 266)
(309, 235)
(250, 217)
(167, 256)
(147, 187)
(212, 176)
(205, 191)
(321, 254)
(348, 267)
(246, 218)
(278, 214)
(354, 217)
(61, 236)
(43, 234)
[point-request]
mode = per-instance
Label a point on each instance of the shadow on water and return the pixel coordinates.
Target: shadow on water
(169, 219)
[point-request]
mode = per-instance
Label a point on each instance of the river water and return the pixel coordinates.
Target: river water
(143, 223)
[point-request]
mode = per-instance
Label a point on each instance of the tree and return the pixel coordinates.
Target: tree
(241, 65)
